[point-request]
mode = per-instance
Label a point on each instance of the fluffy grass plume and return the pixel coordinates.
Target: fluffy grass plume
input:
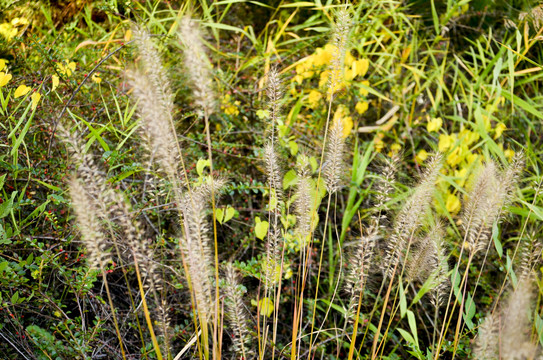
(303, 199)
(197, 65)
(358, 269)
(196, 245)
(334, 162)
(340, 37)
(409, 219)
(486, 343)
(515, 341)
(236, 314)
(88, 220)
(491, 191)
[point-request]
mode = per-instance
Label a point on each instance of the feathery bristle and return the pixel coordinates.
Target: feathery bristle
(155, 124)
(358, 269)
(334, 163)
(197, 65)
(486, 344)
(409, 219)
(274, 92)
(196, 244)
(237, 314)
(89, 224)
(515, 342)
(491, 192)
(303, 200)
(340, 38)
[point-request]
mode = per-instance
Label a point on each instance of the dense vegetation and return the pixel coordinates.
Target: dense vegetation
(268, 180)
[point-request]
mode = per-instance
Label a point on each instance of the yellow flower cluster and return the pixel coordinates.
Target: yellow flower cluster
(461, 155)
(9, 29)
(229, 107)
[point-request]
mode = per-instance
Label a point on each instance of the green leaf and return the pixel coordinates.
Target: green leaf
(469, 312)
(403, 302)
(407, 336)
(2, 179)
(230, 212)
(15, 297)
(6, 206)
(201, 165)
(261, 229)
(496, 238)
(289, 179)
(219, 215)
(539, 327)
(293, 147)
(413, 326)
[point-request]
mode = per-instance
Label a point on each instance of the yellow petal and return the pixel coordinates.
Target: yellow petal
(434, 124)
(128, 35)
(360, 67)
(347, 126)
(35, 99)
(71, 66)
(96, 78)
(2, 64)
(21, 91)
(4, 78)
(55, 81)
(452, 204)
(361, 107)
(363, 91)
(499, 129)
(421, 156)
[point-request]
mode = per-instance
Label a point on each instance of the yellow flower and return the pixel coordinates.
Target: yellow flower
(324, 78)
(360, 67)
(55, 81)
(349, 58)
(314, 98)
(348, 74)
(96, 78)
(434, 124)
(454, 157)
(361, 107)
(3, 63)
(347, 126)
(378, 142)
(128, 35)
(21, 91)
(395, 148)
(324, 56)
(468, 137)
(298, 79)
(363, 91)
(421, 156)
(8, 31)
(445, 142)
(499, 129)
(509, 154)
(67, 69)
(19, 21)
(471, 157)
(4, 78)
(460, 176)
(35, 99)
(452, 203)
